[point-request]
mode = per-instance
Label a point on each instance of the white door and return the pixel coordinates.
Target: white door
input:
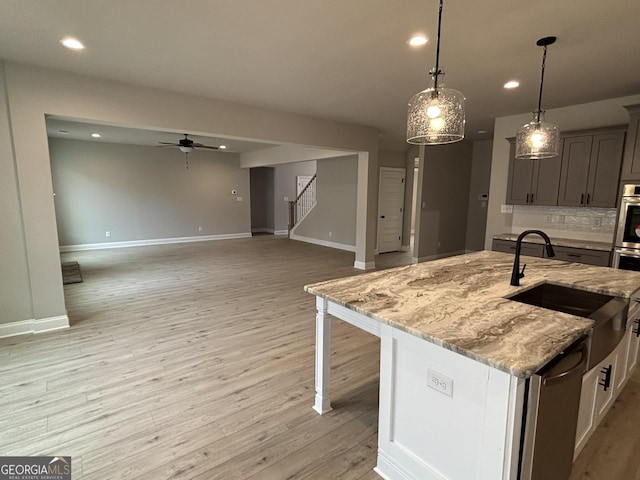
(390, 209)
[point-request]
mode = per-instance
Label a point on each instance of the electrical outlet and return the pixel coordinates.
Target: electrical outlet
(440, 382)
(239, 198)
(107, 234)
(506, 209)
(330, 234)
(200, 228)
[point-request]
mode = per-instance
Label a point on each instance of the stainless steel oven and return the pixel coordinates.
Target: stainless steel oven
(626, 254)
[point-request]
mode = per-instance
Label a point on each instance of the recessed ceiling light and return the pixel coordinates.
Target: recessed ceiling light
(417, 40)
(222, 147)
(512, 84)
(72, 43)
(96, 135)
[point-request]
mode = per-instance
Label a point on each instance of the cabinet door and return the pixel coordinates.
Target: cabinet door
(604, 398)
(604, 170)
(546, 176)
(634, 342)
(576, 154)
(631, 164)
(586, 413)
(519, 183)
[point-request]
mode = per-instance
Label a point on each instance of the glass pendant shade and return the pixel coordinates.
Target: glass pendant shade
(537, 139)
(436, 116)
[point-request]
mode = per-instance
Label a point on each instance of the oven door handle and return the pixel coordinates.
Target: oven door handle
(627, 253)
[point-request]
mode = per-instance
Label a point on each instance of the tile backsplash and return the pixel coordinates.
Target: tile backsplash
(595, 224)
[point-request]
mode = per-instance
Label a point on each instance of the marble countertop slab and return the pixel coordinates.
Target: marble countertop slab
(560, 242)
(461, 304)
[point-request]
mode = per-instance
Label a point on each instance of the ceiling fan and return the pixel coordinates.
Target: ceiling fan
(186, 145)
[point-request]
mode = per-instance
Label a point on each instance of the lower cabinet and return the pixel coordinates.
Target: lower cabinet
(567, 254)
(602, 384)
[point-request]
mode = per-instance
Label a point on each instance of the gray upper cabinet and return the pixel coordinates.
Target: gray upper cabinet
(532, 182)
(591, 170)
(631, 163)
(586, 173)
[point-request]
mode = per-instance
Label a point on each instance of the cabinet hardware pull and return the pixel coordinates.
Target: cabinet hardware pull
(532, 198)
(637, 329)
(575, 255)
(527, 200)
(582, 199)
(588, 196)
(606, 381)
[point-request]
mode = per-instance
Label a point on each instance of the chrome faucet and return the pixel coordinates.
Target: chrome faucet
(516, 274)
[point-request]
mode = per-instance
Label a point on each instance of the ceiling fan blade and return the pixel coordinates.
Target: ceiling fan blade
(167, 143)
(199, 145)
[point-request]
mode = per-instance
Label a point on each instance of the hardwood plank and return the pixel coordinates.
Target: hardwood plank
(197, 361)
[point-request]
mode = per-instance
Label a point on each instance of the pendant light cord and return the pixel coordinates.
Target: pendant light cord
(544, 58)
(436, 71)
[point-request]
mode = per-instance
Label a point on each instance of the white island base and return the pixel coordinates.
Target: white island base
(442, 416)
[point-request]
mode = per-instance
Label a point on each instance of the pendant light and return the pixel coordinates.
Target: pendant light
(539, 139)
(436, 115)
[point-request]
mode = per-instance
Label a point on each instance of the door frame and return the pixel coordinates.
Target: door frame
(396, 169)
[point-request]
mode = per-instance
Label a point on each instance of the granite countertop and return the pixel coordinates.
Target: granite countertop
(560, 242)
(460, 304)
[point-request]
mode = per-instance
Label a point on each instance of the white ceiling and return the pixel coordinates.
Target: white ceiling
(344, 60)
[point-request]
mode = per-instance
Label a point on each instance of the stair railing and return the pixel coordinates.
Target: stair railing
(303, 203)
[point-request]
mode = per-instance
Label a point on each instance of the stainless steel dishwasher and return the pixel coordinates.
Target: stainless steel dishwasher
(553, 401)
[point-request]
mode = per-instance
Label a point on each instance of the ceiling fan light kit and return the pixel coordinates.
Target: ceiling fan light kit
(539, 139)
(436, 115)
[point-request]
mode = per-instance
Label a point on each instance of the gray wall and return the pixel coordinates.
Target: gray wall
(144, 193)
(479, 184)
(34, 93)
(333, 219)
(285, 186)
(262, 191)
(15, 299)
(444, 198)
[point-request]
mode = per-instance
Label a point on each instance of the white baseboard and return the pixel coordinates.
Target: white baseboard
(281, 232)
(34, 326)
(262, 230)
(364, 265)
(324, 243)
(437, 256)
(155, 241)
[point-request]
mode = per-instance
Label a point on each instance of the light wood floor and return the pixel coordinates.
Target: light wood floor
(196, 361)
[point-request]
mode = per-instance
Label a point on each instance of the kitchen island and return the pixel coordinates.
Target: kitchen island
(455, 355)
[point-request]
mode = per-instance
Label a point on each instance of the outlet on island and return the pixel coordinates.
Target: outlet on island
(440, 382)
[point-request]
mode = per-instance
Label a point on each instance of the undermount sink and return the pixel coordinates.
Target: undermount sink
(563, 299)
(609, 313)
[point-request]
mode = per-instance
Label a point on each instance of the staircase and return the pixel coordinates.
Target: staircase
(303, 203)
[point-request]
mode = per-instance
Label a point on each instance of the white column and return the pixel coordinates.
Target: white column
(323, 357)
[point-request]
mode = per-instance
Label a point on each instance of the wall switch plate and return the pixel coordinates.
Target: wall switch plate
(239, 199)
(200, 228)
(506, 209)
(286, 199)
(107, 234)
(440, 382)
